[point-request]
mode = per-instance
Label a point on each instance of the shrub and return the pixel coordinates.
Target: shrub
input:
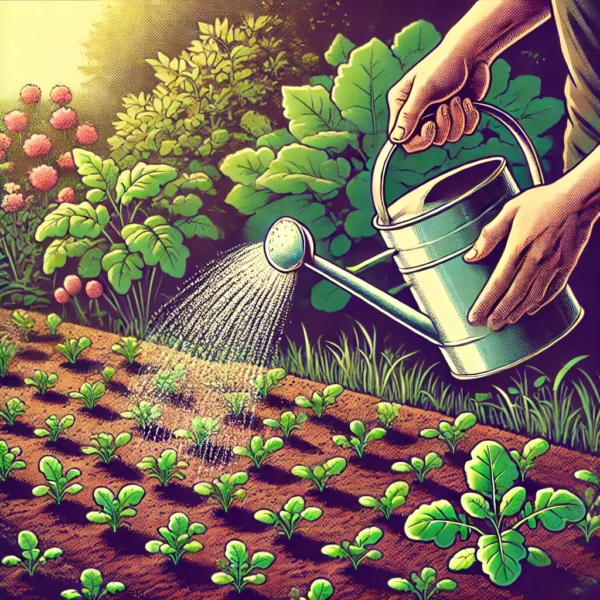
(201, 430)
(291, 517)
(590, 524)
(531, 452)
(42, 381)
(420, 467)
(143, 413)
(361, 438)
(258, 451)
(321, 474)
(9, 460)
(90, 394)
(129, 347)
(93, 587)
(236, 402)
(165, 468)
(56, 427)
(108, 373)
(177, 538)
(12, 410)
(8, 351)
(268, 381)
(25, 322)
(357, 550)
(72, 348)
(394, 497)
(493, 502)
(167, 381)
(239, 569)
(115, 509)
(388, 412)
(288, 422)
(58, 484)
(105, 445)
(423, 586)
(225, 489)
(452, 434)
(32, 557)
(52, 322)
(321, 401)
(320, 589)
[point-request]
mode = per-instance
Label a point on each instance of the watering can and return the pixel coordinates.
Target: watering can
(427, 232)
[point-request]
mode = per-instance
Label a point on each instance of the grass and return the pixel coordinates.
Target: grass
(564, 410)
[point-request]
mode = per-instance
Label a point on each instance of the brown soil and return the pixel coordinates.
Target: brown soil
(122, 557)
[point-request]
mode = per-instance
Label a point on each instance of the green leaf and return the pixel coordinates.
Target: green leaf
(276, 140)
(358, 191)
(262, 560)
(500, 76)
(334, 141)
(501, 557)
(320, 589)
(401, 585)
(186, 206)
(199, 226)
(329, 297)
(95, 172)
(143, 181)
(555, 509)
(491, 471)
(437, 522)
(79, 220)
(358, 224)
(59, 250)
(122, 267)
(541, 114)
(248, 200)
(476, 506)
(246, 165)
(512, 501)
(537, 557)
(462, 560)
(340, 245)
(324, 80)
(339, 51)
(222, 578)
(255, 123)
(236, 553)
(414, 42)
(90, 264)
(587, 476)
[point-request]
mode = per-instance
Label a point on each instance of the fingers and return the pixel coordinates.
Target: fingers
(472, 117)
(443, 125)
(421, 142)
(397, 96)
(457, 115)
(409, 103)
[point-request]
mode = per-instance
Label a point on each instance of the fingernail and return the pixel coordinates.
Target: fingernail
(471, 254)
(468, 105)
(496, 324)
(398, 134)
(445, 110)
(473, 316)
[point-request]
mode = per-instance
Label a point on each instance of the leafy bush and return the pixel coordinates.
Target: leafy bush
(590, 524)
(269, 381)
(93, 587)
(531, 452)
(258, 451)
(8, 351)
(9, 460)
(144, 413)
(420, 467)
(72, 348)
(320, 589)
(321, 401)
(32, 557)
(423, 586)
(167, 380)
(108, 373)
(52, 322)
(165, 468)
(89, 393)
(290, 518)
(42, 381)
(225, 489)
(239, 569)
(12, 410)
(288, 422)
(25, 322)
(388, 412)
(394, 497)
(495, 502)
(357, 550)
(201, 430)
(321, 474)
(115, 509)
(105, 445)
(452, 434)
(361, 438)
(129, 347)
(56, 427)
(58, 484)
(177, 538)
(236, 402)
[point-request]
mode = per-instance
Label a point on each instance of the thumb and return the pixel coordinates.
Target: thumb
(492, 234)
(409, 112)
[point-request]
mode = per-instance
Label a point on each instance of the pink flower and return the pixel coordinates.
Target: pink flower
(86, 135)
(43, 178)
(63, 119)
(16, 121)
(66, 195)
(12, 203)
(65, 162)
(61, 94)
(73, 285)
(5, 142)
(61, 295)
(31, 94)
(94, 289)
(37, 145)
(12, 188)
(2, 155)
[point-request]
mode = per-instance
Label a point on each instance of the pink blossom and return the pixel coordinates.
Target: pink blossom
(12, 203)
(5, 142)
(16, 121)
(37, 145)
(73, 284)
(61, 295)
(65, 162)
(12, 188)
(43, 178)
(86, 135)
(31, 94)
(66, 195)
(63, 119)
(61, 94)
(94, 289)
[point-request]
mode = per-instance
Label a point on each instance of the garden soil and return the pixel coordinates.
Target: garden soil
(121, 556)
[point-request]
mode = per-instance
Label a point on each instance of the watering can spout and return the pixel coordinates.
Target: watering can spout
(289, 246)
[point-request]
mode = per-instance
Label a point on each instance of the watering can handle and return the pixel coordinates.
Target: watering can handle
(383, 159)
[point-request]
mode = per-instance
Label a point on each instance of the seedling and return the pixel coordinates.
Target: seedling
(144, 413)
(32, 557)
(394, 497)
(89, 393)
(52, 322)
(423, 586)
(258, 451)
(8, 351)
(93, 587)
(420, 467)
(167, 381)
(531, 452)
(321, 401)
(116, 509)
(73, 348)
(500, 510)
(239, 568)
(288, 422)
(591, 498)
(320, 589)
(388, 412)
(129, 347)
(56, 427)
(25, 322)
(321, 474)
(177, 538)
(105, 445)
(361, 438)
(290, 518)
(9, 460)
(236, 402)
(357, 550)
(200, 431)
(12, 410)
(58, 484)
(225, 489)
(108, 373)
(452, 434)
(42, 381)
(268, 382)
(165, 468)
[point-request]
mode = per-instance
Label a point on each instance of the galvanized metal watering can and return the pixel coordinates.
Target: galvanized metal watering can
(427, 232)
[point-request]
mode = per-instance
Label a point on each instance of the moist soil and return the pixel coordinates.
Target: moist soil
(121, 556)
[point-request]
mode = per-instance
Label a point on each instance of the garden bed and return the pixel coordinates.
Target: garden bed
(121, 556)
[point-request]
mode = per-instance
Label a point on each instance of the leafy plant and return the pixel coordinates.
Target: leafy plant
(42, 381)
(290, 518)
(361, 438)
(269, 381)
(258, 450)
(321, 474)
(105, 445)
(531, 452)
(167, 381)
(394, 497)
(288, 422)
(56, 427)
(357, 550)
(12, 410)
(93, 587)
(129, 347)
(25, 322)
(321, 401)
(494, 503)
(236, 402)
(115, 509)
(73, 347)
(200, 431)
(52, 322)
(590, 524)
(423, 586)
(144, 413)
(8, 351)
(108, 373)
(177, 538)
(388, 412)
(420, 467)
(59, 484)
(32, 557)
(452, 434)
(239, 569)
(89, 393)
(165, 468)
(225, 489)
(9, 460)
(320, 589)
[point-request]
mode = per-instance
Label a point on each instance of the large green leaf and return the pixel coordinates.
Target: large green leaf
(339, 51)
(276, 140)
(59, 250)
(334, 141)
(90, 264)
(186, 206)
(95, 172)
(359, 224)
(246, 165)
(555, 509)
(198, 226)
(122, 267)
(491, 471)
(143, 181)
(328, 297)
(79, 220)
(501, 557)
(414, 42)
(247, 200)
(436, 522)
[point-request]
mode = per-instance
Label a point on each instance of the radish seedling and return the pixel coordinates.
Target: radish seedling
(167, 381)
(531, 452)
(32, 557)
(388, 412)
(56, 427)
(52, 322)
(12, 410)
(42, 381)
(93, 587)
(116, 509)
(200, 431)
(144, 413)
(423, 586)
(394, 497)
(320, 589)
(591, 498)
(108, 373)
(269, 381)
(321, 474)
(361, 438)
(129, 347)
(73, 348)
(9, 460)
(225, 489)
(177, 538)
(290, 518)
(165, 468)
(8, 351)
(25, 322)
(90, 394)
(321, 401)
(58, 484)
(239, 569)
(258, 450)
(357, 550)
(105, 445)
(288, 422)
(452, 434)
(420, 467)
(236, 402)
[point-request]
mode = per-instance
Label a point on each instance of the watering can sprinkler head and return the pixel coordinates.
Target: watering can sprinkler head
(288, 245)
